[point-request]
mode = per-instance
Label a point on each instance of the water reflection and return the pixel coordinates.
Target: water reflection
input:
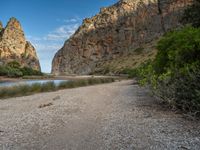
(29, 82)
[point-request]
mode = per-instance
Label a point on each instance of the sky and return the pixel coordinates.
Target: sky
(49, 23)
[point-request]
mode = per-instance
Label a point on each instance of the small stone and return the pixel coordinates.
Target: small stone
(45, 105)
(56, 98)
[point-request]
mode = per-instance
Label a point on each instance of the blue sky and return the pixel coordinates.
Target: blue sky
(48, 23)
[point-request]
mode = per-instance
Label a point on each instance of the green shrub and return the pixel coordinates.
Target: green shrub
(14, 64)
(130, 72)
(181, 91)
(3, 71)
(13, 72)
(10, 72)
(174, 74)
(29, 72)
(192, 14)
(13, 69)
(177, 50)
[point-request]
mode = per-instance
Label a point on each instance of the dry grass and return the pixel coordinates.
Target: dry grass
(23, 90)
(128, 61)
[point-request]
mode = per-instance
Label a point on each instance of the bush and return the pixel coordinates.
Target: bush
(182, 91)
(13, 69)
(192, 14)
(177, 50)
(130, 72)
(10, 72)
(3, 71)
(14, 72)
(29, 72)
(14, 64)
(174, 74)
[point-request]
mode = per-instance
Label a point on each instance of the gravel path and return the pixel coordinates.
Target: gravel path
(113, 116)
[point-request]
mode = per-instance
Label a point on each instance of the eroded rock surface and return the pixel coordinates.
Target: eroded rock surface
(115, 31)
(14, 47)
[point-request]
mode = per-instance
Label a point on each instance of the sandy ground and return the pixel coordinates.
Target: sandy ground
(113, 116)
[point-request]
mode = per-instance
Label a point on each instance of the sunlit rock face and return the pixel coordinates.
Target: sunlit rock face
(116, 30)
(14, 47)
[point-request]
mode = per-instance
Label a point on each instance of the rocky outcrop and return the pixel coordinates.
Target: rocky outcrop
(1, 26)
(14, 47)
(117, 30)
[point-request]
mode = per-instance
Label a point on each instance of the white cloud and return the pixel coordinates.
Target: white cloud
(62, 33)
(72, 20)
(32, 38)
(50, 43)
(46, 47)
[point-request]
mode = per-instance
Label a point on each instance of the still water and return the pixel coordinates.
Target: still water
(29, 82)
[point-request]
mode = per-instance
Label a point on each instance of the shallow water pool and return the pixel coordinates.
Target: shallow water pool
(29, 82)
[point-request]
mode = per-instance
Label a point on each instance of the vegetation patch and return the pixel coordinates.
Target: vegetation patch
(174, 75)
(44, 76)
(23, 90)
(192, 14)
(13, 70)
(128, 62)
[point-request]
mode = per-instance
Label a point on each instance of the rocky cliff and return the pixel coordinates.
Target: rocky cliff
(14, 47)
(115, 31)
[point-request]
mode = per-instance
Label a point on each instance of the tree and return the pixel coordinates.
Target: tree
(14, 64)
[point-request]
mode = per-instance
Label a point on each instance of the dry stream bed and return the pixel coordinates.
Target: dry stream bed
(118, 115)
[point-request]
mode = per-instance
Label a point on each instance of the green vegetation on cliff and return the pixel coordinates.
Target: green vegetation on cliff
(13, 69)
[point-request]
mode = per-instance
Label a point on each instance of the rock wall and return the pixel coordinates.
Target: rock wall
(14, 47)
(116, 30)
(1, 26)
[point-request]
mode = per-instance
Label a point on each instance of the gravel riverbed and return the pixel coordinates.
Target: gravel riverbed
(115, 116)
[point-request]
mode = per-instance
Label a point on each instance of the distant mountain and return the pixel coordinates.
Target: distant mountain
(14, 47)
(112, 36)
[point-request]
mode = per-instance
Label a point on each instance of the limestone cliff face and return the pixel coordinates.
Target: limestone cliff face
(116, 30)
(14, 47)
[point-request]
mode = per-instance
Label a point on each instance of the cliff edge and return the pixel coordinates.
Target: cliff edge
(116, 31)
(14, 47)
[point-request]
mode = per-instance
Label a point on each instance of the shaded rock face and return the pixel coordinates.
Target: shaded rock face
(14, 47)
(1, 26)
(116, 30)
